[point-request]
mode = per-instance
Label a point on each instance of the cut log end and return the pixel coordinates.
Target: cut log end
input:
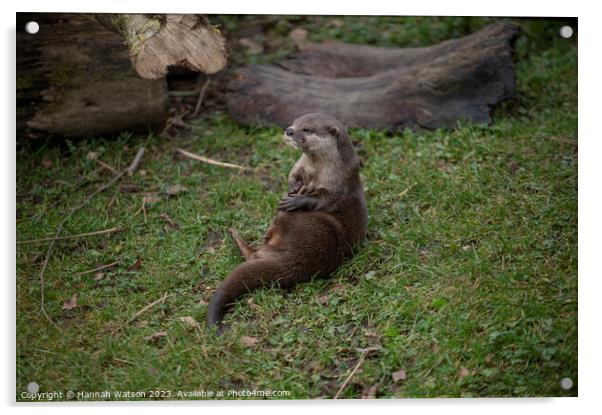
(184, 40)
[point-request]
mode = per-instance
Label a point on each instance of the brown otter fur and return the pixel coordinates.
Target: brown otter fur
(317, 224)
(328, 170)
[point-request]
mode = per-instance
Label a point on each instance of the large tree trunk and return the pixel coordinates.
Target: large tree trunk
(74, 78)
(390, 88)
(156, 42)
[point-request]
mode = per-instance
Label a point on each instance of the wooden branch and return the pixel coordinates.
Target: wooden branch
(149, 306)
(106, 166)
(213, 162)
(136, 162)
(100, 268)
(81, 235)
(169, 220)
(406, 190)
(132, 167)
(357, 366)
(199, 101)
(157, 42)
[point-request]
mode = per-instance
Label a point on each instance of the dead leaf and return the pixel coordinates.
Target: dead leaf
(190, 322)
(463, 373)
(370, 333)
(169, 220)
(92, 155)
(47, 163)
(488, 359)
(466, 248)
(141, 323)
(443, 166)
(203, 302)
(512, 166)
(370, 392)
(175, 189)
(338, 288)
(156, 335)
(253, 47)
(248, 341)
(399, 375)
(251, 304)
(98, 276)
(142, 172)
(129, 188)
(149, 200)
(369, 350)
(323, 299)
(298, 34)
(136, 265)
(71, 303)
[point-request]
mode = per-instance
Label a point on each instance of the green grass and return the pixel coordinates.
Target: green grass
(468, 280)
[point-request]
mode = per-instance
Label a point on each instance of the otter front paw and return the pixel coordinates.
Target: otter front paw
(292, 203)
(308, 190)
(294, 187)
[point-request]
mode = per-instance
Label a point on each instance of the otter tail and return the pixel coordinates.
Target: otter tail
(246, 277)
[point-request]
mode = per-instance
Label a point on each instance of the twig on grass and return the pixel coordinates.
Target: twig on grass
(357, 366)
(80, 235)
(213, 162)
(365, 352)
(149, 306)
(406, 190)
(563, 140)
(130, 170)
(76, 185)
(100, 268)
(169, 220)
(202, 93)
(113, 200)
(106, 166)
(136, 162)
(142, 209)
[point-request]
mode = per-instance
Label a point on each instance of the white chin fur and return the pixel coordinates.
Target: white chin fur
(290, 141)
(322, 143)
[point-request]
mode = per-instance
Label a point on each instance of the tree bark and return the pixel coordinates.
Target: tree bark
(74, 79)
(156, 42)
(388, 88)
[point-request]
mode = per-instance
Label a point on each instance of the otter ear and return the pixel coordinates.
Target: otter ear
(333, 130)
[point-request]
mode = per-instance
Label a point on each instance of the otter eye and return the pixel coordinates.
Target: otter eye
(306, 130)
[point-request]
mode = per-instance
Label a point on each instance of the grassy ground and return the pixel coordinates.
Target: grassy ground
(468, 281)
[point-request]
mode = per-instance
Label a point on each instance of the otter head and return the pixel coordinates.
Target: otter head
(315, 134)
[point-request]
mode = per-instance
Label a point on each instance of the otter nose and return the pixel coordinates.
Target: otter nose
(289, 131)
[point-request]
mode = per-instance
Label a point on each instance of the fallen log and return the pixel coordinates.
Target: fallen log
(388, 88)
(156, 42)
(74, 79)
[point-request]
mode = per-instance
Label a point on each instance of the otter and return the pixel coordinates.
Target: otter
(317, 225)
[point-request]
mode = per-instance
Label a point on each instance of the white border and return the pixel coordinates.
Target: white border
(589, 184)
